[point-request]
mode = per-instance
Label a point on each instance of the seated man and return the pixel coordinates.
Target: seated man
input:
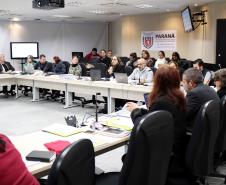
(104, 58)
(142, 73)
(92, 55)
(109, 53)
(197, 93)
(199, 64)
(6, 67)
(43, 65)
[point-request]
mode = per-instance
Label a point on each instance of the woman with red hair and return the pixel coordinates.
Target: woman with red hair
(166, 95)
(12, 169)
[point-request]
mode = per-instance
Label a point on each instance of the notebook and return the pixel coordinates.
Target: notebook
(42, 156)
(62, 130)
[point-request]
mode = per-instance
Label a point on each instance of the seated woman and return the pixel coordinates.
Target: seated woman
(58, 66)
(29, 69)
(29, 65)
(75, 68)
(166, 95)
(116, 66)
(220, 81)
(12, 169)
(161, 59)
(146, 55)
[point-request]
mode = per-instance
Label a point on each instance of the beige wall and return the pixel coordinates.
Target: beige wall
(125, 33)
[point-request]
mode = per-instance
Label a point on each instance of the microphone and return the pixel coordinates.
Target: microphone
(97, 94)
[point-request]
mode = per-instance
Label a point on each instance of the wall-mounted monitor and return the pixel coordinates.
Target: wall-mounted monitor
(20, 50)
(187, 20)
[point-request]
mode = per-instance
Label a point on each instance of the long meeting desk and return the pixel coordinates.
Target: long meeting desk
(109, 89)
(36, 140)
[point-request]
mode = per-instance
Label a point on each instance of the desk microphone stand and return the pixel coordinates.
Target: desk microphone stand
(96, 113)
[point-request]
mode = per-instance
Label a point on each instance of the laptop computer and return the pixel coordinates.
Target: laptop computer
(95, 74)
(121, 78)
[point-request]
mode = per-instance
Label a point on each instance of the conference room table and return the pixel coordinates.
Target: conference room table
(36, 140)
(110, 89)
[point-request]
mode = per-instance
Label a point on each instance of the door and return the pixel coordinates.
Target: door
(221, 43)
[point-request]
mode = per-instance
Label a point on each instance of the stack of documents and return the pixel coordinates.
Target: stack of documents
(117, 121)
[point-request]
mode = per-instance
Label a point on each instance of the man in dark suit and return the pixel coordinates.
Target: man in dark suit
(197, 93)
(43, 65)
(6, 67)
(104, 58)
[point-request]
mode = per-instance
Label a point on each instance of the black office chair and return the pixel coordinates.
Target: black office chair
(124, 60)
(84, 70)
(201, 147)
(148, 155)
(67, 65)
(75, 165)
(128, 70)
(220, 147)
(221, 140)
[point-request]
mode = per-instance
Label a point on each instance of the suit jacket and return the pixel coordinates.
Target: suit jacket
(105, 60)
(9, 66)
(46, 67)
(196, 98)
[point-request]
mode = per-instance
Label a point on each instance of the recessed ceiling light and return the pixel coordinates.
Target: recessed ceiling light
(195, 4)
(144, 6)
(98, 12)
(15, 19)
(62, 16)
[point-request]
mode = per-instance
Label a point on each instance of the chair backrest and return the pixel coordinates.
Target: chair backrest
(75, 165)
(84, 70)
(201, 147)
(67, 64)
(102, 67)
(221, 139)
(128, 70)
(124, 60)
(149, 150)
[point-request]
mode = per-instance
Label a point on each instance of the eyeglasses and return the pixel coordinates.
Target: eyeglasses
(114, 59)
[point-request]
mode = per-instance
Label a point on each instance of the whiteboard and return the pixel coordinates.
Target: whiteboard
(20, 50)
